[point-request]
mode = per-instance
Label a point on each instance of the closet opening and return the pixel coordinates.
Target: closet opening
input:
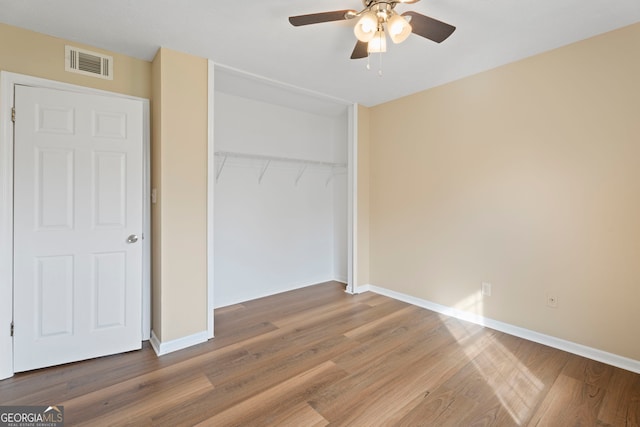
(282, 190)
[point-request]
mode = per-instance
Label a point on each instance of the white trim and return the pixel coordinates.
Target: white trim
(146, 223)
(558, 343)
(362, 289)
(7, 82)
(211, 174)
(277, 83)
(162, 348)
(352, 201)
(6, 225)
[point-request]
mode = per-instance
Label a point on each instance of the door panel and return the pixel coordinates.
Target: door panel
(109, 292)
(54, 189)
(110, 180)
(78, 175)
(54, 282)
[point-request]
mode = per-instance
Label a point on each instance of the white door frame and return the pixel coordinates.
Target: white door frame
(7, 82)
(211, 177)
(352, 202)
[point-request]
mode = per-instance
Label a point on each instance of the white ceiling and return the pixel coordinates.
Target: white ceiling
(255, 36)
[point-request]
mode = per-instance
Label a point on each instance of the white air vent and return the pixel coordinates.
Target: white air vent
(89, 63)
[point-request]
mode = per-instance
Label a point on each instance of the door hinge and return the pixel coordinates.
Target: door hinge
(13, 114)
(11, 328)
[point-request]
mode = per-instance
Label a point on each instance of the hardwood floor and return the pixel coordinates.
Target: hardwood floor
(318, 356)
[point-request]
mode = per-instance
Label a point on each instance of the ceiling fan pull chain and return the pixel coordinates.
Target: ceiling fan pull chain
(380, 63)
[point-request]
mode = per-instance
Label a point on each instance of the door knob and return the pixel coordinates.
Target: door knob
(132, 238)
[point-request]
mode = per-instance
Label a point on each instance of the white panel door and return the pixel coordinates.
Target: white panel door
(78, 190)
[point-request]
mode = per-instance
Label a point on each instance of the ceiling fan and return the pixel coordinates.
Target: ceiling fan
(378, 19)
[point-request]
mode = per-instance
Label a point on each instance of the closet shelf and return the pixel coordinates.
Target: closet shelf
(303, 163)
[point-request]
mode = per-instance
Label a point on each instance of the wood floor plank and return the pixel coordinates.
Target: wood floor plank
(300, 414)
(388, 376)
(443, 408)
(432, 373)
(570, 402)
(577, 394)
(589, 371)
(278, 397)
(394, 397)
(230, 308)
(376, 327)
(621, 403)
(527, 374)
(318, 356)
(415, 326)
(235, 387)
(136, 404)
(287, 303)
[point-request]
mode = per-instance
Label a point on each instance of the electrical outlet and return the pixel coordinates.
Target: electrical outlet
(486, 289)
(552, 301)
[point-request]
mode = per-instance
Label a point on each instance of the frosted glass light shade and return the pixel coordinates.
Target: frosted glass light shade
(378, 43)
(366, 27)
(398, 28)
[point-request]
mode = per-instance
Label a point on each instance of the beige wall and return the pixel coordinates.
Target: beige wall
(179, 173)
(34, 54)
(363, 197)
(527, 177)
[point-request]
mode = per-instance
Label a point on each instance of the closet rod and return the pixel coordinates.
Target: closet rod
(225, 154)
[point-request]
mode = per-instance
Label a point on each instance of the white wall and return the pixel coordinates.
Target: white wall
(275, 236)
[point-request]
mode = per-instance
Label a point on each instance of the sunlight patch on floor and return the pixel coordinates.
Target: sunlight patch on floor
(512, 382)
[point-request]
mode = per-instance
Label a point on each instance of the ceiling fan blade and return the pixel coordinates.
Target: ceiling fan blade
(429, 28)
(317, 18)
(360, 51)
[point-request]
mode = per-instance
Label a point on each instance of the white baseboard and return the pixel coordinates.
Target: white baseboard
(561, 344)
(162, 348)
(341, 279)
(361, 289)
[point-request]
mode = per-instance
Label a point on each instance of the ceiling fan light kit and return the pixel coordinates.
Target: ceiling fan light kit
(378, 43)
(379, 19)
(399, 29)
(366, 27)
